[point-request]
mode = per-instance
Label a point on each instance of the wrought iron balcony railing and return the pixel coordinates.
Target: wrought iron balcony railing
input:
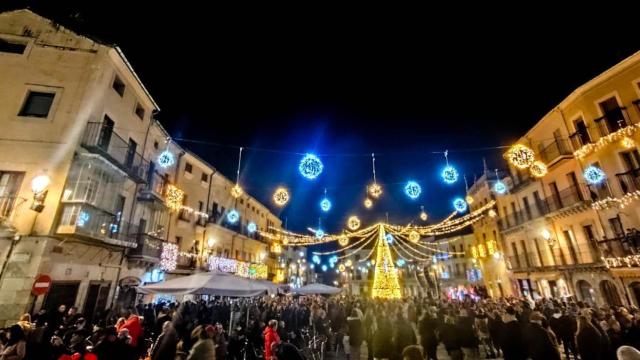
(149, 248)
(555, 150)
(613, 121)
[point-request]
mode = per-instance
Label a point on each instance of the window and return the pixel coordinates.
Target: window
(188, 168)
(37, 104)
(131, 152)
(616, 226)
(204, 178)
(12, 47)
(527, 208)
(156, 145)
(200, 206)
(140, 111)
(582, 133)
(118, 86)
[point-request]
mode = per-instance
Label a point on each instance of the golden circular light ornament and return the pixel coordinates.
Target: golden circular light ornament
(368, 203)
(348, 263)
(343, 241)
(469, 199)
(424, 216)
(281, 196)
(414, 236)
(628, 142)
(520, 156)
(285, 241)
(341, 268)
(492, 213)
(375, 190)
(353, 223)
(538, 169)
(236, 191)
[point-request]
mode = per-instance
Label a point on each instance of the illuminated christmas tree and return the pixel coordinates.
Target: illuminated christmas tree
(385, 279)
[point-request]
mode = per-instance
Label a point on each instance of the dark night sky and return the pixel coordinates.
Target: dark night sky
(398, 83)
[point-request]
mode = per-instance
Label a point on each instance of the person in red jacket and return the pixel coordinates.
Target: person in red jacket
(270, 337)
(135, 329)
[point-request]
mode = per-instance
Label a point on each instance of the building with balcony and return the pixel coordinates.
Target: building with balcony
(208, 230)
(562, 236)
(77, 120)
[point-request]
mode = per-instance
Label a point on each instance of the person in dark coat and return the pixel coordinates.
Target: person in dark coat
(450, 336)
(496, 328)
(356, 335)
(589, 340)
(567, 328)
(429, 341)
(165, 346)
(382, 339)
(109, 347)
(511, 342)
(469, 340)
(404, 335)
(540, 345)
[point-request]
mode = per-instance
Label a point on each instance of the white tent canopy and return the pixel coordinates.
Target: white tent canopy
(212, 283)
(317, 289)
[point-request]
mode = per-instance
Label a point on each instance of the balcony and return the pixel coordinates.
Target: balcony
(557, 150)
(613, 121)
(580, 138)
(8, 206)
(149, 248)
(563, 199)
(629, 181)
(558, 259)
(621, 246)
(154, 189)
(102, 140)
(92, 223)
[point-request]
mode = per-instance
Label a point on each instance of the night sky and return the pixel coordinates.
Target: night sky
(343, 83)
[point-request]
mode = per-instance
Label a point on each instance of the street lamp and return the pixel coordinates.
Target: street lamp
(39, 185)
(546, 234)
(211, 242)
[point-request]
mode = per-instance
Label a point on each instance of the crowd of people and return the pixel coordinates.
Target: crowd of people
(283, 327)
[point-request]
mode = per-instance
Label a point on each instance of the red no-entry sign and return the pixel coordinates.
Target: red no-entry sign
(42, 285)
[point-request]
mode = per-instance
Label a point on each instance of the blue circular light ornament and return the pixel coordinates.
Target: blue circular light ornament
(233, 216)
(252, 227)
(400, 262)
(316, 259)
(324, 267)
(412, 189)
(166, 159)
(333, 259)
(449, 174)
(389, 238)
(325, 205)
(310, 166)
(500, 188)
(460, 205)
(594, 175)
(319, 234)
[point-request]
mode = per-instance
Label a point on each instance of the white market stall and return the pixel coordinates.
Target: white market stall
(212, 283)
(317, 289)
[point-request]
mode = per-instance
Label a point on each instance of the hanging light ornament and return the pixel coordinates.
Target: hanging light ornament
(414, 236)
(368, 203)
(594, 175)
(499, 187)
(469, 199)
(310, 166)
(174, 198)
(236, 190)
(449, 173)
(319, 234)
(166, 159)
(520, 156)
(423, 214)
(233, 216)
(375, 190)
(389, 238)
(412, 189)
(460, 205)
(252, 227)
(343, 240)
(492, 213)
(325, 204)
(353, 223)
(341, 268)
(348, 263)
(316, 259)
(281, 196)
(628, 142)
(538, 169)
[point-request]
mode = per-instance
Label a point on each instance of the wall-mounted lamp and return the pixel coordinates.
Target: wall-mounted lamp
(39, 186)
